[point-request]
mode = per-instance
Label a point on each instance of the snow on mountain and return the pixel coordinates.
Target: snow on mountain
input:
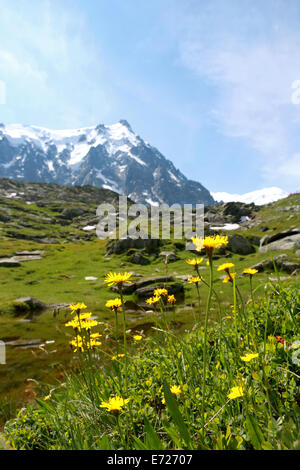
(259, 197)
(105, 156)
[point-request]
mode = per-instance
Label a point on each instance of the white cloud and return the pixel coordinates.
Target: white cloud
(253, 78)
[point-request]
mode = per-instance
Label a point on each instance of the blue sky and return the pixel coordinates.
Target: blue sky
(207, 82)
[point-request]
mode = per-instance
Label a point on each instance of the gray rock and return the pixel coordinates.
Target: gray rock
(33, 303)
(279, 236)
(72, 212)
(9, 263)
(138, 258)
(240, 245)
(123, 245)
(291, 242)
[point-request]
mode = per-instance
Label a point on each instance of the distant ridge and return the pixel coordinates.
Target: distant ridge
(259, 197)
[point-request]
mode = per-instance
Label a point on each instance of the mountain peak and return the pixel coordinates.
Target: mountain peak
(126, 124)
(105, 156)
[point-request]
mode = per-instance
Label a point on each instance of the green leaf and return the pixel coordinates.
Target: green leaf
(139, 445)
(176, 415)
(256, 436)
(152, 440)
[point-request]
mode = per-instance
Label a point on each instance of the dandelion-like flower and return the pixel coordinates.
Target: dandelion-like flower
(77, 307)
(171, 299)
(250, 271)
(114, 404)
(114, 358)
(194, 261)
(117, 279)
(229, 277)
(152, 300)
(236, 392)
(114, 304)
(137, 338)
(210, 243)
(195, 280)
(175, 389)
(249, 357)
(225, 267)
(160, 292)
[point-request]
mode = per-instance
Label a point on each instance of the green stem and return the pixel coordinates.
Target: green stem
(205, 336)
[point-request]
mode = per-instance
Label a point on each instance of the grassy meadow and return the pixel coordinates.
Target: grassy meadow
(218, 369)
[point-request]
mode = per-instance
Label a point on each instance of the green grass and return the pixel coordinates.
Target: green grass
(264, 417)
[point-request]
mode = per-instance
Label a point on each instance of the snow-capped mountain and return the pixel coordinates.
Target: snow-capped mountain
(105, 156)
(259, 197)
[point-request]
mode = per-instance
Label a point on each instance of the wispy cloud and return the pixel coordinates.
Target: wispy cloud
(252, 75)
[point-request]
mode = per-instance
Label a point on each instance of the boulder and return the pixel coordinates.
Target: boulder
(32, 304)
(72, 212)
(290, 242)
(120, 246)
(138, 258)
(240, 245)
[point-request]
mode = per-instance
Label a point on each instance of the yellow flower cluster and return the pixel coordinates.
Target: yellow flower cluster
(83, 343)
(158, 294)
(82, 323)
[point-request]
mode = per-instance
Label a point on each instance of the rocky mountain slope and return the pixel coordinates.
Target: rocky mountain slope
(109, 157)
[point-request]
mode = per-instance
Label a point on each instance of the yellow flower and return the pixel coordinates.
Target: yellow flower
(137, 338)
(80, 343)
(225, 267)
(117, 278)
(171, 299)
(114, 358)
(159, 292)
(229, 277)
(250, 271)
(114, 404)
(175, 389)
(235, 392)
(194, 261)
(249, 357)
(114, 304)
(76, 307)
(210, 243)
(196, 279)
(152, 300)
